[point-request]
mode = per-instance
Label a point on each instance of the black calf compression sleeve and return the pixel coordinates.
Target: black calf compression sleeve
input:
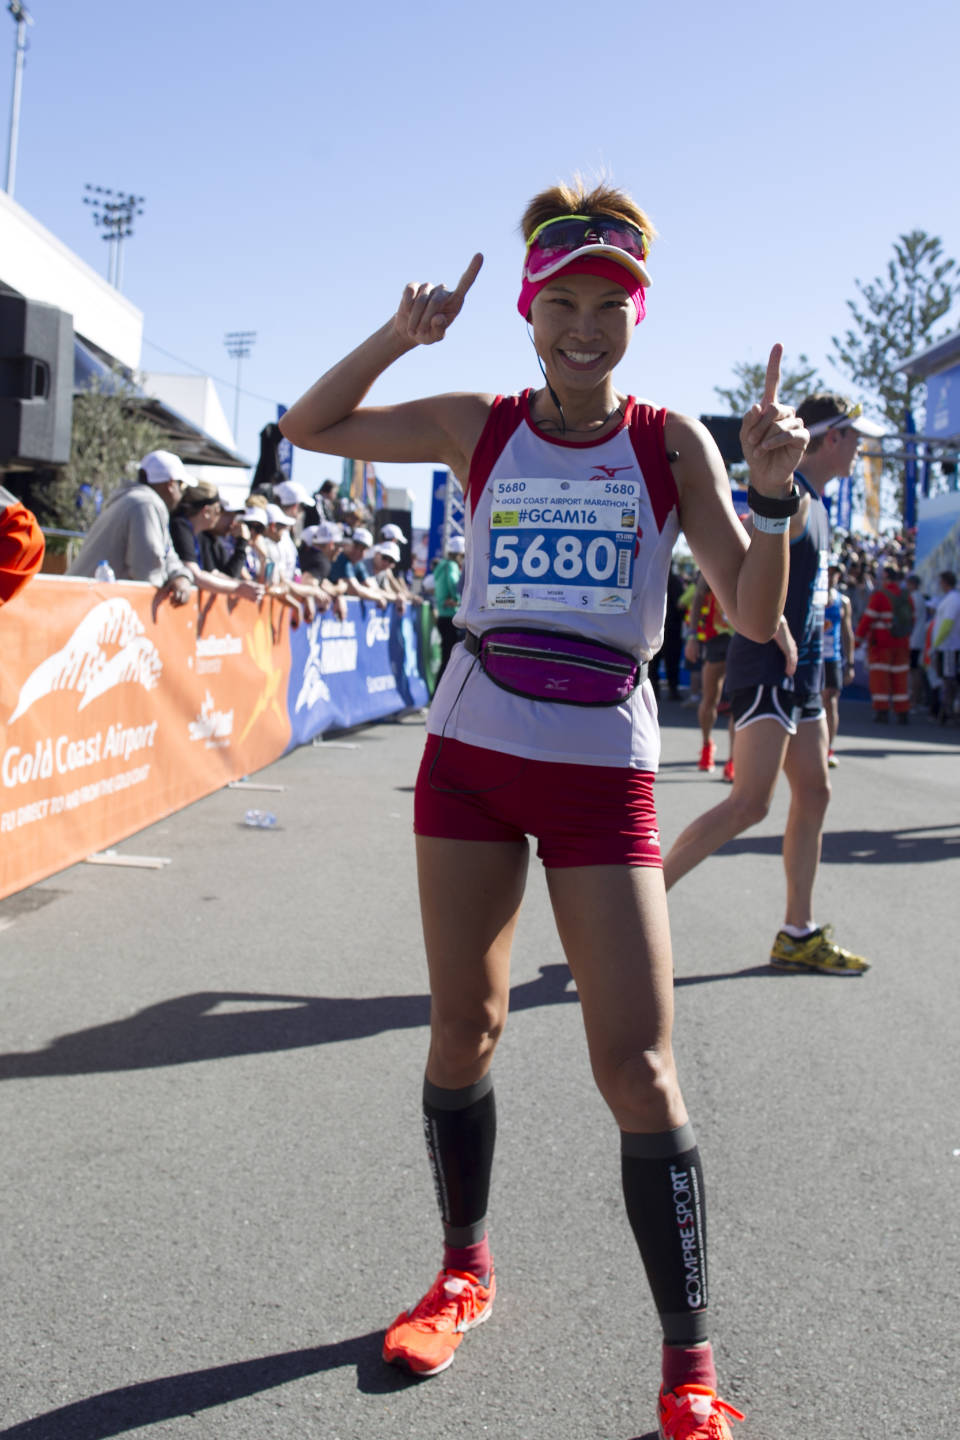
(663, 1190)
(460, 1127)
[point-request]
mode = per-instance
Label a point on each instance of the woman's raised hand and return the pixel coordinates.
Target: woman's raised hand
(772, 436)
(427, 311)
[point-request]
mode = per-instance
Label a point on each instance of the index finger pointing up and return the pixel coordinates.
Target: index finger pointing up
(772, 382)
(468, 276)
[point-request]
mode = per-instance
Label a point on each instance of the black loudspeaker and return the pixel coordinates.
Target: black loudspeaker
(725, 429)
(36, 382)
(403, 518)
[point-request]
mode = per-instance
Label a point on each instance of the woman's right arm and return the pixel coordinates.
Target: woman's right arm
(331, 416)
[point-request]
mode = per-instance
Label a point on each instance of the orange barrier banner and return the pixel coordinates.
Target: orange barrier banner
(116, 710)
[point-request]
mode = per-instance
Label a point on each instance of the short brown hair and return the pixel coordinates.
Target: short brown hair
(576, 199)
(824, 405)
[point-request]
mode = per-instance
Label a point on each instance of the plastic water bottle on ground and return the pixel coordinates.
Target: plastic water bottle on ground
(104, 571)
(260, 820)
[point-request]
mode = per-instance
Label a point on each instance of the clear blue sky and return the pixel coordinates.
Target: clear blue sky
(300, 162)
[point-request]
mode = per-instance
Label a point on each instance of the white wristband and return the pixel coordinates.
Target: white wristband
(768, 526)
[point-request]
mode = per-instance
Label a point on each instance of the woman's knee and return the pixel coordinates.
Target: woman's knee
(641, 1088)
(462, 1039)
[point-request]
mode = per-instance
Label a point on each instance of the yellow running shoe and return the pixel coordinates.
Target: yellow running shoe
(426, 1337)
(816, 951)
(694, 1412)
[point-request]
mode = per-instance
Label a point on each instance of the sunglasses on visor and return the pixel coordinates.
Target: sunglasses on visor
(838, 422)
(554, 242)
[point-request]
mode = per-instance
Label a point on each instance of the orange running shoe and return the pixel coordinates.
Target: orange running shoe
(707, 757)
(425, 1338)
(694, 1412)
(728, 772)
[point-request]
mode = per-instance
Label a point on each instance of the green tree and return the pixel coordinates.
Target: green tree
(894, 318)
(109, 434)
(795, 384)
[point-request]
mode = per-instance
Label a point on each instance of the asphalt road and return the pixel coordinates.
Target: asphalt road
(214, 1192)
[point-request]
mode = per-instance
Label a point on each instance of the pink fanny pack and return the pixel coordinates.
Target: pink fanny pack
(544, 665)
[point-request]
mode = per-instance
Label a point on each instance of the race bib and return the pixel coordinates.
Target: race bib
(562, 545)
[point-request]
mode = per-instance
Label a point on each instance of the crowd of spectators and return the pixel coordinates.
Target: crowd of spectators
(905, 637)
(309, 552)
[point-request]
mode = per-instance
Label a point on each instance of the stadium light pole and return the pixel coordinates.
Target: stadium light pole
(113, 212)
(23, 18)
(239, 343)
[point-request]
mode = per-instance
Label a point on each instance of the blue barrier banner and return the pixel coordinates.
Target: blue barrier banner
(346, 672)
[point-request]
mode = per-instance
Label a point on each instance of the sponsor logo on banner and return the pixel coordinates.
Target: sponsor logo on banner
(213, 726)
(378, 628)
(211, 649)
(261, 649)
(108, 648)
(314, 688)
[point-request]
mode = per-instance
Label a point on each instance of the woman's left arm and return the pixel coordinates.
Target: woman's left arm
(748, 574)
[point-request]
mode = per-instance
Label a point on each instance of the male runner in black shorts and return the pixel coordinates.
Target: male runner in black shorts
(778, 711)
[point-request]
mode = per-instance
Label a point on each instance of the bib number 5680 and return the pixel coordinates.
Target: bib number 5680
(568, 563)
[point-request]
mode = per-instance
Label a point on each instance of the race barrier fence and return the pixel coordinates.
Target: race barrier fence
(116, 710)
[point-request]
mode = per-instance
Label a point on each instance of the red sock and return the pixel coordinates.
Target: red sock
(688, 1365)
(474, 1259)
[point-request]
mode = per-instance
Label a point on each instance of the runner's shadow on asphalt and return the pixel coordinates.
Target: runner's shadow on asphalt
(751, 972)
(916, 846)
(218, 1025)
(152, 1401)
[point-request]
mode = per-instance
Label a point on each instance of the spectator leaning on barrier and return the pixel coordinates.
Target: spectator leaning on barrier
(21, 545)
(198, 513)
(288, 583)
(394, 534)
(385, 557)
(221, 547)
(349, 566)
(318, 548)
(132, 531)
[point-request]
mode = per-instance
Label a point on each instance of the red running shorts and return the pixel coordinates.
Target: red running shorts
(579, 814)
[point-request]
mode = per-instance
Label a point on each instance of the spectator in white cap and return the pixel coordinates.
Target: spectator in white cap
(318, 547)
(288, 574)
(132, 531)
(393, 532)
(349, 567)
(292, 496)
(446, 597)
(385, 558)
(388, 574)
(296, 502)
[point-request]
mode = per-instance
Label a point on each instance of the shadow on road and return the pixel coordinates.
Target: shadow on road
(152, 1401)
(203, 1026)
(750, 972)
(918, 845)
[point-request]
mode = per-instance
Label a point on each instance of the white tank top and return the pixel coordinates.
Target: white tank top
(573, 536)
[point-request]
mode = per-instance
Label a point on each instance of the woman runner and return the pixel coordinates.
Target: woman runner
(544, 725)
